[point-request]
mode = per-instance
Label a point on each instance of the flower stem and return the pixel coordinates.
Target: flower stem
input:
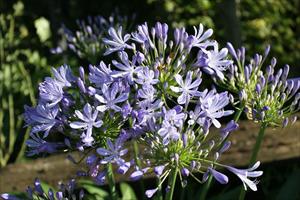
(255, 151)
(159, 192)
(138, 162)
(209, 181)
(111, 182)
(171, 183)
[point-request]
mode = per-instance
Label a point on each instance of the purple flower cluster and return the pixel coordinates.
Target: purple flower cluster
(86, 41)
(65, 192)
(149, 95)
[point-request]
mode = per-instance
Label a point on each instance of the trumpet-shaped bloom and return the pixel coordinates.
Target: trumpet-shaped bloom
(127, 69)
(187, 88)
(214, 61)
(63, 75)
(89, 120)
(213, 105)
(116, 42)
(109, 98)
(38, 145)
(41, 118)
(113, 154)
(100, 75)
(146, 76)
(51, 92)
(245, 174)
(199, 39)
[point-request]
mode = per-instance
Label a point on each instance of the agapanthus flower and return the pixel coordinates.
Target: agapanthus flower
(128, 68)
(63, 75)
(147, 94)
(109, 98)
(89, 120)
(151, 99)
(187, 88)
(41, 118)
(116, 41)
(113, 154)
(65, 192)
(213, 105)
(213, 61)
(38, 145)
(268, 97)
(243, 174)
(87, 39)
(51, 92)
(168, 132)
(142, 36)
(199, 39)
(146, 76)
(100, 74)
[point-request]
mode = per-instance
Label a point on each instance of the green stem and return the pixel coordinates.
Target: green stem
(238, 113)
(111, 182)
(138, 162)
(171, 183)
(255, 151)
(210, 178)
(159, 192)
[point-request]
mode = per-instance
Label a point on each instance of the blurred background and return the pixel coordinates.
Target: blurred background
(31, 28)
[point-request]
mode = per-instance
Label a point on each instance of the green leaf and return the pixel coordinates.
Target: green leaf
(93, 189)
(127, 192)
(46, 187)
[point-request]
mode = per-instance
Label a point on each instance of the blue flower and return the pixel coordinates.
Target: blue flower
(168, 132)
(213, 62)
(213, 104)
(142, 36)
(161, 31)
(147, 93)
(37, 145)
(116, 42)
(198, 115)
(63, 75)
(148, 111)
(51, 92)
(174, 116)
(38, 192)
(127, 68)
(221, 178)
(89, 120)
(146, 76)
(114, 153)
(41, 118)
(187, 88)
(243, 174)
(199, 39)
(109, 98)
(100, 75)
